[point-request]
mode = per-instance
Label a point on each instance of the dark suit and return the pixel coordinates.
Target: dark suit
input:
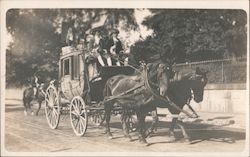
(118, 48)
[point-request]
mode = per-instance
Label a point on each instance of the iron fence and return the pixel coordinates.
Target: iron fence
(220, 71)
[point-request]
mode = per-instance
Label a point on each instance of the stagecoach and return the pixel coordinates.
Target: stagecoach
(76, 93)
(80, 95)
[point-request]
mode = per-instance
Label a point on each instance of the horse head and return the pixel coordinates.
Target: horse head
(197, 82)
(160, 74)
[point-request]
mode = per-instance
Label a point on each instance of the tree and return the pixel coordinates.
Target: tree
(37, 35)
(35, 44)
(194, 35)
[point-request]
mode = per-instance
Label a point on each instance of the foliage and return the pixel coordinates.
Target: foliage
(37, 35)
(194, 35)
(179, 35)
(35, 45)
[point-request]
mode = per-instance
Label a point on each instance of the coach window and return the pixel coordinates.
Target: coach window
(66, 64)
(76, 67)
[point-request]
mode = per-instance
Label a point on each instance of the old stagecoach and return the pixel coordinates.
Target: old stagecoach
(76, 93)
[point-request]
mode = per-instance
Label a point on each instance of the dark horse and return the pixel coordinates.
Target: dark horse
(28, 97)
(130, 93)
(180, 93)
(146, 96)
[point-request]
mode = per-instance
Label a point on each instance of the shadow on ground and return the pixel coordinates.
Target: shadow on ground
(198, 132)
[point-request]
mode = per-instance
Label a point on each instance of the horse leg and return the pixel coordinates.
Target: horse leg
(125, 125)
(141, 124)
(31, 110)
(171, 130)
(39, 107)
(107, 108)
(184, 133)
(25, 107)
(173, 123)
(154, 123)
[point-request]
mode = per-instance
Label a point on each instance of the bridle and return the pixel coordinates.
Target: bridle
(158, 75)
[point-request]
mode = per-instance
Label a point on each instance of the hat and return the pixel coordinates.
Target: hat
(114, 31)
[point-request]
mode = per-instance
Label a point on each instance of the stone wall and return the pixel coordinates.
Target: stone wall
(225, 98)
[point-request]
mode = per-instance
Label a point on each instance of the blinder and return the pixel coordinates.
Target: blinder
(160, 70)
(201, 76)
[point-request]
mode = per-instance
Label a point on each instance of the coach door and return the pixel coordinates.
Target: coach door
(71, 74)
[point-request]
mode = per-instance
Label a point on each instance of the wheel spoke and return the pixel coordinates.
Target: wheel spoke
(47, 100)
(55, 112)
(51, 119)
(74, 119)
(74, 113)
(82, 112)
(76, 124)
(78, 106)
(75, 109)
(49, 112)
(80, 127)
(83, 119)
(78, 115)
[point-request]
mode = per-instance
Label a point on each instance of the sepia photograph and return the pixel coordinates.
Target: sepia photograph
(124, 78)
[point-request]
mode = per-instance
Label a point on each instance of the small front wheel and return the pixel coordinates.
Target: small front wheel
(78, 116)
(52, 107)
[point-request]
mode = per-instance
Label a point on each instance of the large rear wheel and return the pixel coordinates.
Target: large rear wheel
(52, 107)
(78, 116)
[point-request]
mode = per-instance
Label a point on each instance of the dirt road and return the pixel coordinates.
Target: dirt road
(32, 134)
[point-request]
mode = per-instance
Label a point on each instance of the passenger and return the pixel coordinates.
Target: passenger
(99, 49)
(90, 57)
(70, 37)
(114, 46)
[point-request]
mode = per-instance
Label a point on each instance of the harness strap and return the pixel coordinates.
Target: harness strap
(124, 94)
(191, 108)
(168, 101)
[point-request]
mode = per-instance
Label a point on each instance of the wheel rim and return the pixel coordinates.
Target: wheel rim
(78, 116)
(52, 107)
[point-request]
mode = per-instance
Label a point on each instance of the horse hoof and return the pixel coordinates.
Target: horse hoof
(144, 143)
(186, 140)
(170, 133)
(129, 138)
(32, 113)
(110, 136)
(149, 134)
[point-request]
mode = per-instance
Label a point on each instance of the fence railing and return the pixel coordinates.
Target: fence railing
(220, 71)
